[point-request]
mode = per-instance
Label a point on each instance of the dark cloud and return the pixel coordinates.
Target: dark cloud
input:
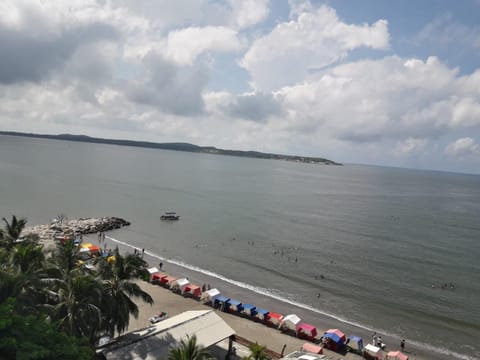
(170, 88)
(29, 56)
(256, 107)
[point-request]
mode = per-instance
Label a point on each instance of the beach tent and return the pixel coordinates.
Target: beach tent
(220, 302)
(155, 274)
(179, 284)
(337, 332)
(311, 348)
(234, 306)
(290, 322)
(274, 319)
(152, 270)
(261, 314)
(306, 331)
(84, 253)
(156, 278)
(372, 352)
(167, 280)
(334, 340)
(193, 291)
(355, 343)
(94, 249)
(249, 310)
(396, 355)
(209, 296)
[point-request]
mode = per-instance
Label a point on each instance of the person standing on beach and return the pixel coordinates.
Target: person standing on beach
(402, 344)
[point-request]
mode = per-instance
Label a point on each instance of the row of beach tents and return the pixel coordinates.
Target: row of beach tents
(332, 339)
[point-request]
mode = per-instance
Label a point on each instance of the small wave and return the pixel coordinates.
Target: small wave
(272, 295)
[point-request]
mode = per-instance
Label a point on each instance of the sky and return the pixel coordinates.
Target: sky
(393, 83)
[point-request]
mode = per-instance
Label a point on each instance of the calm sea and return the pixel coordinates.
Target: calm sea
(391, 249)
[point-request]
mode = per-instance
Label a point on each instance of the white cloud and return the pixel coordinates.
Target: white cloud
(184, 46)
(143, 69)
(312, 40)
(249, 12)
(368, 101)
(445, 32)
(410, 146)
(463, 147)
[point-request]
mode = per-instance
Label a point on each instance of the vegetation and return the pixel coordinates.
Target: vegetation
(189, 350)
(257, 352)
(54, 307)
(177, 147)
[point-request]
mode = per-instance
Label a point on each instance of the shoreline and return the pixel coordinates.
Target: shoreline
(309, 314)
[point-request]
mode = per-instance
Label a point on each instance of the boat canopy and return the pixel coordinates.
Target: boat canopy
(308, 329)
(311, 348)
(396, 355)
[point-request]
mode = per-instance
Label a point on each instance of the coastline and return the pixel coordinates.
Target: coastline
(233, 289)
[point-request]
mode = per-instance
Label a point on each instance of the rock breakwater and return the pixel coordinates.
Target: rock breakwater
(47, 233)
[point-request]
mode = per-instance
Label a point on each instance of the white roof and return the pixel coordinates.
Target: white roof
(210, 293)
(294, 319)
(372, 349)
(301, 355)
(152, 270)
(181, 282)
(155, 341)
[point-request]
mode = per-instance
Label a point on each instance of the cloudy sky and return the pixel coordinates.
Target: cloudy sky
(376, 82)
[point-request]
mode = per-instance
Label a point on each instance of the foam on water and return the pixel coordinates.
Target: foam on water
(272, 295)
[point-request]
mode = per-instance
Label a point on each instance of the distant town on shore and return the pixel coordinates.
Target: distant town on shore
(177, 147)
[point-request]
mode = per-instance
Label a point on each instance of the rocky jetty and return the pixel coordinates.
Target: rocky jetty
(47, 233)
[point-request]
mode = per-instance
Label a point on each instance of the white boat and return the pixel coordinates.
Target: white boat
(170, 215)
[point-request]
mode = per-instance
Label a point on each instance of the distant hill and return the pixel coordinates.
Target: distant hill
(177, 147)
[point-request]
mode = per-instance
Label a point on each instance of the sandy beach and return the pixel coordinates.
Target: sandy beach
(173, 304)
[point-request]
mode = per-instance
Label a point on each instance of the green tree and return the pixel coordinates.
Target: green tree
(258, 352)
(12, 231)
(27, 337)
(119, 287)
(189, 350)
(74, 297)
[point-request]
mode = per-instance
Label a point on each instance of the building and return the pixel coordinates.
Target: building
(154, 342)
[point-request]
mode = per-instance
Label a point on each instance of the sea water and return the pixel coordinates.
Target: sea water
(394, 250)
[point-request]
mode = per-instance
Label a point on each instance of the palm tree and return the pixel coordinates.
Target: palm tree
(12, 231)
(21, 267)
(189, 350)
(73, 297)
(258, 352)
(119, 288)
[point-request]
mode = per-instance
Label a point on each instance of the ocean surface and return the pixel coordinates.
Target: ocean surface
(394, 250)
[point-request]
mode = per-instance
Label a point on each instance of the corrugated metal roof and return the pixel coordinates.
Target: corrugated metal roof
(155, 341)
